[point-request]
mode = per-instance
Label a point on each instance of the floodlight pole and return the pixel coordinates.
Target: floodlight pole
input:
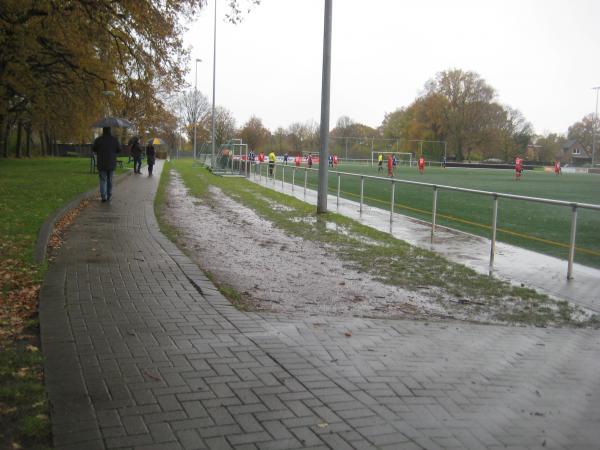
(212, 159)
(594, 128)
(195, 104)
(325, 97)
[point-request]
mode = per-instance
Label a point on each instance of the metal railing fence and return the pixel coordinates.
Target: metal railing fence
(494, 196)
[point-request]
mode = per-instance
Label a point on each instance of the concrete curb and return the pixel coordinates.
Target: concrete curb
(41, 245)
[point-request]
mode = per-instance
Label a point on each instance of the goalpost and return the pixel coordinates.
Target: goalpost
(403, 158)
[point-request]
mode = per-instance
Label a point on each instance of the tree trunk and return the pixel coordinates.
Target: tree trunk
(2, 119)
(48, 143)
(28, 139)
(19, 134)
(42, 146)
(5, 138)
(459, 151)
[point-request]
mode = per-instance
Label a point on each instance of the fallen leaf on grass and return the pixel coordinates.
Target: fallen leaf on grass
(347, 334)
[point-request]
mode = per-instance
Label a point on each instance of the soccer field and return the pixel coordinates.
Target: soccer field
(539, 227)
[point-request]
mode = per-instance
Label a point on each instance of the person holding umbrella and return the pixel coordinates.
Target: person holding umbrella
(106, 147)
(150, 157)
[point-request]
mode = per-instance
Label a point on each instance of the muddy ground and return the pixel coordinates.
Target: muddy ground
(280, 273)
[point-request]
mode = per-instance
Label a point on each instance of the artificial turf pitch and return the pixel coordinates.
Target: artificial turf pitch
(535, 226)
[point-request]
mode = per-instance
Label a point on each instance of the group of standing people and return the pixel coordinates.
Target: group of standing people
(271, 159)
(333, 161)
(135, 150)
(107, 147)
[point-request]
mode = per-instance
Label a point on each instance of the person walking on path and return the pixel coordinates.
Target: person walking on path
(150, 157)
(106, 148)
(136, 152)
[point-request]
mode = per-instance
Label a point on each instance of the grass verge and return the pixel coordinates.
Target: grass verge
(390, 260)
(30, 190)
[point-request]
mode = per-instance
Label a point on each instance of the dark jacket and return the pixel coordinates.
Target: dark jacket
(135, 150)
(150, 154)
(106, 147)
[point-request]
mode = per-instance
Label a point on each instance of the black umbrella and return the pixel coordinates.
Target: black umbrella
(112, 122)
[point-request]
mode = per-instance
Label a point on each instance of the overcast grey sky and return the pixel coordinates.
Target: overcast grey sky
(542, 57)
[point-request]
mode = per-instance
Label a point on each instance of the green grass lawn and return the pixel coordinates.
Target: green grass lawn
(539, 227)
(30, 190)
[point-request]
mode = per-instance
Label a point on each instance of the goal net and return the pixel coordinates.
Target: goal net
(402, 158)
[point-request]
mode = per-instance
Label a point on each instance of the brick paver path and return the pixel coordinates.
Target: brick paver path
(143, 352)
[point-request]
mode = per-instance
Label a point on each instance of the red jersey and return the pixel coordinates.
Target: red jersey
(298, 160)
(421, 162)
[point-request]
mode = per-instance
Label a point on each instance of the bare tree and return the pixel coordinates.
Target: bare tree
(225, 128)
(195, 109)
(343, 123)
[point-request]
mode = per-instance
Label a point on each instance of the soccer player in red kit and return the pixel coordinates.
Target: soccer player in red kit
(390, 166)
(518, 168)
(421, 164)
(557, 168)
(298, 160)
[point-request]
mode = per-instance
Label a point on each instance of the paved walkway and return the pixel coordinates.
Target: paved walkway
(544, 273)
(142, 352)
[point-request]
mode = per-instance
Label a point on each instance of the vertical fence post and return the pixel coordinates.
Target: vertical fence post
(434, 211)
(572, 246)
(494, 228)
(293, 178)
(338, 191)
(362, 190)
(282, 176)
(305, 178)
(259, 172)
(393, 200)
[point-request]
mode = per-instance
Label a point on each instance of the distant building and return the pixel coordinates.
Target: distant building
(575, 154)
(532, 152)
